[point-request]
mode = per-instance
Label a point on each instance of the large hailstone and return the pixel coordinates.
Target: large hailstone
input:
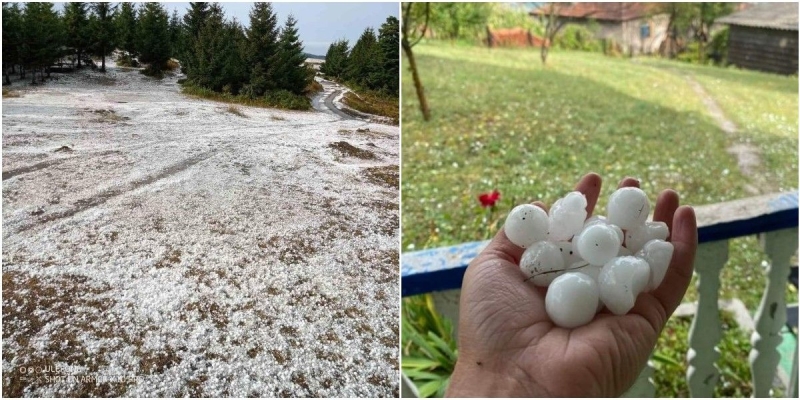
(620, 281)
(542, 262)
(568, 253)
(598, 244)
(636, 238)
(572, 299)
(567, 216)
(658, 255)
(525, 225)
(628, 207)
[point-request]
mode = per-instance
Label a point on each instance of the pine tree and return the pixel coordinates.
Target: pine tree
(42, 38)
(193, 22)
(12, 38)
(153, 37)
(263, 42)
(126, 29)
(175, 32)
(335, 59)
(364, 61)
(209, 51)
(290, 71)
(77, 28)
(389, 43)
(103, 34)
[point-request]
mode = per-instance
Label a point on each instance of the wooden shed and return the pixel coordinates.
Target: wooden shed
(764, 37)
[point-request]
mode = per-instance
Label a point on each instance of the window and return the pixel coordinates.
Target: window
(644, 30)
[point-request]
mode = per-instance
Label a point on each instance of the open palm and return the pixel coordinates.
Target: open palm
(509, 347)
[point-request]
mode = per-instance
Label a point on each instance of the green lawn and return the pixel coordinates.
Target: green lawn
(503, 121)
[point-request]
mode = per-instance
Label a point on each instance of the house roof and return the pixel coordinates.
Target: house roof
(781, 16)
(599, 11)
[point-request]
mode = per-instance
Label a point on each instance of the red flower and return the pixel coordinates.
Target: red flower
(488, 199)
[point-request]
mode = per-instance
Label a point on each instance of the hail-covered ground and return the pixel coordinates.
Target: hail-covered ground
(159, 245)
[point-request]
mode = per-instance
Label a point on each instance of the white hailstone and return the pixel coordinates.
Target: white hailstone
(570, 256)
(599, 219)
(542, 262)
(598, 244)
(658, 255)
(567, 216)
(592, 271)
(621, 280)
(525, 225)
(571, 300)
(628, 207)
(636, 238)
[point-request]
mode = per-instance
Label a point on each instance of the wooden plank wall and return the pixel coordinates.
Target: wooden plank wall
(769, 50)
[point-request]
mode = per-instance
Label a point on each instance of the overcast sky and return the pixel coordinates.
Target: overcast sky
(319, 24)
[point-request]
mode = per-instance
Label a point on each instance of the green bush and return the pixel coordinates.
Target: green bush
(287, 99)
(578, 37)
(718, 47)
(277, 99)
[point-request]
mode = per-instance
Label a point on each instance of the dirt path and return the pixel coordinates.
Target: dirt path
(747, 156)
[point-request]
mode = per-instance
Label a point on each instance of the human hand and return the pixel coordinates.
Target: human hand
(508, 347)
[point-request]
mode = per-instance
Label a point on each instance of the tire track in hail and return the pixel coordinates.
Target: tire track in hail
(110, 193)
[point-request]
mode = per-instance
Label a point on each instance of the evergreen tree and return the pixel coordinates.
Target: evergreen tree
(263, 42)
(364, 62)
(389, 43)
(335, 59)
(126, 29)
(290, 71)
(77, 28)
(103, 31)
(153, 37)
(193, 22)
(42, 37)
(12, 38)
(175, 32)
(209, 51)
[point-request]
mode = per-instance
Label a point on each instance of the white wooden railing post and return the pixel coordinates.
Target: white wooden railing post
(771, 315)
(705, 333)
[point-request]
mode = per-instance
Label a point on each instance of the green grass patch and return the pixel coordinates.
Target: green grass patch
(376, 103)
(280, 99)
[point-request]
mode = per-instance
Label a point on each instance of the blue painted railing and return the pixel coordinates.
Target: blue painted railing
(443, 268)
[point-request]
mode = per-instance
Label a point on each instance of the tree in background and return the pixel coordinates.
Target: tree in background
(126, 29)
(415, 24)
(336, 59)
(77, 29)
(707, 13)
(193, 22)
(263, 44)
(102, 31)
(364, 63)
(12, 38)
(389, 44)
(219, 63)
(175, 32)
(459, 20)
(552, 26)
(42, 37)
(153, 37)
(290, 70)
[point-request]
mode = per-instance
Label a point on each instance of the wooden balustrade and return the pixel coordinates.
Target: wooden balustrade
(773, 218)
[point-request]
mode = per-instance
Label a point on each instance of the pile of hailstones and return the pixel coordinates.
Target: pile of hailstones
(583, 262)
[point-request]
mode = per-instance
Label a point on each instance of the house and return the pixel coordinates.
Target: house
(764, 37)
(637, 27)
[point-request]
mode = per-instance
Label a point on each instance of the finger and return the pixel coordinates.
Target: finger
(590, 186)
(668, 201)
(501, 246)
(679, 273)
(628, 182)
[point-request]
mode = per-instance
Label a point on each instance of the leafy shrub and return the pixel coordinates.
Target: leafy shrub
(172, 64)
(578, 37)
(126, 60)
(718, 47)
(279, 99)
